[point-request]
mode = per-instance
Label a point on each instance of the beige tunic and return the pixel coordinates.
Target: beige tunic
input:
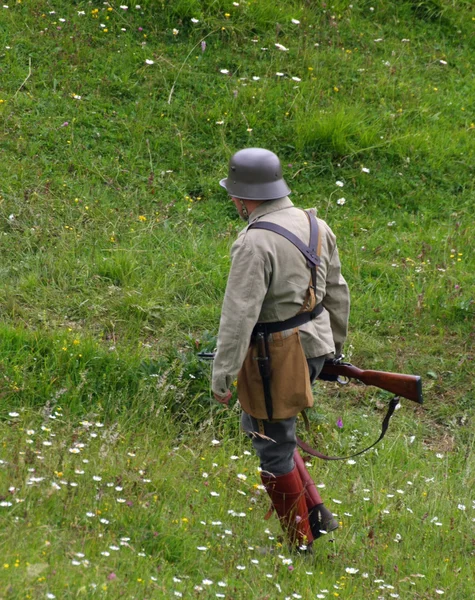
(267, 282)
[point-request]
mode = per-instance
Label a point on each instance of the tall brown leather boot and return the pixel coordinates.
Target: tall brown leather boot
(320, 517)
(288, 499)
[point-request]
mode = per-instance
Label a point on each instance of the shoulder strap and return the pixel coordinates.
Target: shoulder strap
(310, 252)
(315, 246)
(315, 239)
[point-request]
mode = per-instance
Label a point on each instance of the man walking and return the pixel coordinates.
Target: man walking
(285, 311)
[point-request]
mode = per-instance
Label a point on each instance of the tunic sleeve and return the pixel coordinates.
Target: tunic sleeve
(246, 288)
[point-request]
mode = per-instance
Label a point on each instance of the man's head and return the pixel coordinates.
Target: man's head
(255, 174)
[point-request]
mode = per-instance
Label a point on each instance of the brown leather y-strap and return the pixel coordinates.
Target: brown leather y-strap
(309, 309)
(309, 450)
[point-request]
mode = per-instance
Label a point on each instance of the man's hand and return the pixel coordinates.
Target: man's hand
(223, 399)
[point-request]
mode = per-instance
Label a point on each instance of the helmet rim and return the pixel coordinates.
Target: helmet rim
(257, 191)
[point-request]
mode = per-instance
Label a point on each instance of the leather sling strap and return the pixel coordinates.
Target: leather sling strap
(309, 450)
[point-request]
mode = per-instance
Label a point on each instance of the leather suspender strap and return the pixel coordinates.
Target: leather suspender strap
(312, 254)
(309, 450)
(315, 246)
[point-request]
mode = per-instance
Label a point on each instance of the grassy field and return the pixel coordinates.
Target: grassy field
(119, 476)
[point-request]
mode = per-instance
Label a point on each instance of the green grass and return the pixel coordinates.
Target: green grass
(137, 506)
(114, 245)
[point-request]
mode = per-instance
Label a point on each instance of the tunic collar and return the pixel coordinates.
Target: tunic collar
(270, 206)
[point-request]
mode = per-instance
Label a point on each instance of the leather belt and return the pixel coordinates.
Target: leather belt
(291, 323)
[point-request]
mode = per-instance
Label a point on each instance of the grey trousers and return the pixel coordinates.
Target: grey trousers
(277, 453)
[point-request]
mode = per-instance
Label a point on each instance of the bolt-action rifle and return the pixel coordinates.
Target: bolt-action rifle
(405, 386)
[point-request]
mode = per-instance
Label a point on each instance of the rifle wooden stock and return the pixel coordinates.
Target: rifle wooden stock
(407, 386)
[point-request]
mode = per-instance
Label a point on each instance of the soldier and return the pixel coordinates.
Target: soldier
(285, 312)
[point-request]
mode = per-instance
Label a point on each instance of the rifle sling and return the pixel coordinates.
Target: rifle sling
(309, 450)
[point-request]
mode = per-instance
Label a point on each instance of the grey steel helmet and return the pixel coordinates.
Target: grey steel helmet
(255, 174)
